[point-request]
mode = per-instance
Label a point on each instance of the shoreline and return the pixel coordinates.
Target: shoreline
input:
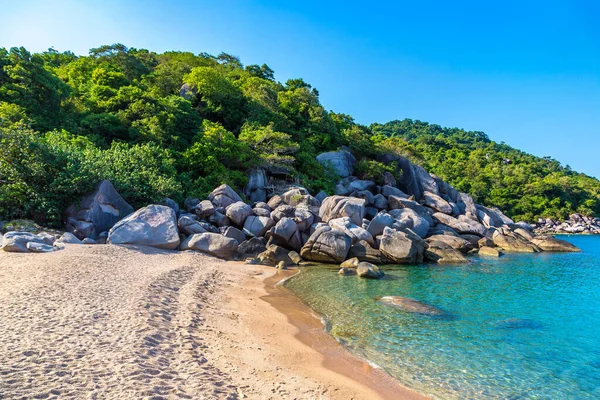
(324, 360)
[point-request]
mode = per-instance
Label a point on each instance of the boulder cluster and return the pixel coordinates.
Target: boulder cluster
(415, 219)
(576, 223)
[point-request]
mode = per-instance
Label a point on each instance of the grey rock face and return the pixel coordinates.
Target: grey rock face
(188, 225)
(341, 161)
(170, 203)
(379, 223)
(397, 203)
(213, 244)
(40, 247)
(252, 247)
(257, 226)
(234, 233)
(442, 253)
(417, 223)
(460, 226)
(97, 212)
(154, 225)
(457, 243)
(368, 270)
(365, 252)
(204, 209)
(238, 212)
(16, 242)
(388, 191)
(224, 196)
(402, 247)
(69, 238)
(339, 206)
(326, 245)
(356, 233)
(426, 181)
(255, 189)
(436, 202)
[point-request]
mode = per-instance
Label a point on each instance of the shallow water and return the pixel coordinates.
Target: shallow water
(517, 327)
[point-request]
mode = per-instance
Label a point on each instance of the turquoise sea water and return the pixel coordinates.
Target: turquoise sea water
(517, 327)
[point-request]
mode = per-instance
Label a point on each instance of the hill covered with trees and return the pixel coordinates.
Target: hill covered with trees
(178, 124)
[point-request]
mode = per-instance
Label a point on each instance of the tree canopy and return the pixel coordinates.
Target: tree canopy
(178, 124)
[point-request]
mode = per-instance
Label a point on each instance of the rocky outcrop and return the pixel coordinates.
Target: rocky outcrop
(513, 243)
(97, 212)
(550, 243)
(576, 223)
(327, 245)
(255, 190)
(154, 225)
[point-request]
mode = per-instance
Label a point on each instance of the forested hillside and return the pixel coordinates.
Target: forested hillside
(178, 124)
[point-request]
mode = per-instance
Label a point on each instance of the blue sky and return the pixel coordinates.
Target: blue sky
(526, 73)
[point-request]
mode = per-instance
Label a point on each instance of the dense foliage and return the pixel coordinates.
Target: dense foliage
(178, 124)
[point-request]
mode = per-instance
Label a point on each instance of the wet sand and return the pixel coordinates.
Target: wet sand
(104, 322)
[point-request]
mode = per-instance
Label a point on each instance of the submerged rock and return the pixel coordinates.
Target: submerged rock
(518, 323)
(411, 305)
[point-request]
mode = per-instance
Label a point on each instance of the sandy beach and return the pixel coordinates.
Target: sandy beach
(108, 322)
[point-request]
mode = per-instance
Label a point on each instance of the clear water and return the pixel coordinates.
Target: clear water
(519, 327)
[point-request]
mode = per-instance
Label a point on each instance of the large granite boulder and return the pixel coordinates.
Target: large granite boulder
(342, 162)
(154, 225)
(97, 212)
(326, 245)
(283, 211)
(213, 244)
(397, 203)
(234, 233)
(339, 206)
(252, 247)
(257, 226)
(361, 185)
(303, 218)
(417, 223)
(457, 243)
(550, 243)
(368, 270)
(426, 181)
(408, 182)
(16, 242)
(510, 242)
(402, 247)
(68, 238)
(387, 191)
(466, 205)
(355, 232)
(379, 223)
(224, 196)
(436, 202)
(189, 225)
(363, 251)
(443, 253)
(238, 212)
(461, 226)
(204, 209)
(41, 247)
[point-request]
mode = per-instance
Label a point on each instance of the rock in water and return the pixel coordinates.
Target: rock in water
(213, 244)
(518, 323)
(326, 245)
(411, 305)
(97, 212)
(489, 252)
(368, 270)
(442, 253)
(154, 225)
(550, 243)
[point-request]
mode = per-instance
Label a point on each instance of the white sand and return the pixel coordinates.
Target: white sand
(109, 322)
